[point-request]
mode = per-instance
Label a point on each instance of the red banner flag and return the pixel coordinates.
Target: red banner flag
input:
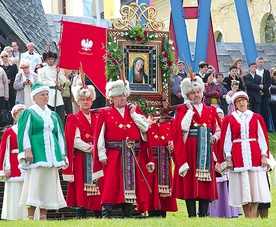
(85, 45)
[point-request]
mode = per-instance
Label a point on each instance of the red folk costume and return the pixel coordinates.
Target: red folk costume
(116, 130)
(79, 191)
(160, 180)
(189, 186)
(243, 136)
(9, 160)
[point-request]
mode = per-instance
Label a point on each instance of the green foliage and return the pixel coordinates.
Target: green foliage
(138, 34)
(113, 59)
(147, 108)
(166, 60)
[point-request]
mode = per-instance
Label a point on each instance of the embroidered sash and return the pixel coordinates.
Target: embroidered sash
(203, 152)
(128, 167)
(91, 188)
(163, 158)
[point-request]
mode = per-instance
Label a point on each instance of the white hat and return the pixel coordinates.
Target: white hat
(219, 111)
(239, 94)
(37, 88)
(16, 108)
(118, 87)
(188, 84)
(87, 91)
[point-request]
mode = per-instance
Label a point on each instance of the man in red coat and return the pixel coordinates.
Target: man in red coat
(118, 134)
(79, 134)
(196, 128)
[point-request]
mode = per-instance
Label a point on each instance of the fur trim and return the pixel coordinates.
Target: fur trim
(38, 90)
(118, 87)
(87, 91)
(16, 108)
(239, 94)
(183, 169)
(187, 85)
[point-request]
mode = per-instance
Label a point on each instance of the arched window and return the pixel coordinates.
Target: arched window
(270, 29)
(218, 37)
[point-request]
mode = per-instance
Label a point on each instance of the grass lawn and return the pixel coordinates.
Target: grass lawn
(173, 219)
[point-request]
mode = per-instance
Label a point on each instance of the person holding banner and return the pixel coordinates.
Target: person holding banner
(119, 132)
(52, 77)
(196, 129)
(79, 134)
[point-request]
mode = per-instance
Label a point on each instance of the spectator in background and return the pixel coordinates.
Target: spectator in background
(24, 80)
(233, 76)
(15, 51)
(11, 71)
(265, 95)
(30, 55)
(253, 88)
(4, 88)
(66, 92)
(52, 76)
(203, 67)
(273, 97)
(8, 49)
(212, 92)
(224, 88)
(176, 96)
(234, 89)
(238, 62)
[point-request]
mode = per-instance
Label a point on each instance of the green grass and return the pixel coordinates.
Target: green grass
(173, 219)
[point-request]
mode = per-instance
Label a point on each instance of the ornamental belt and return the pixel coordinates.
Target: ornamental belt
(54, 87)
(245, 139)
(119, 144)
(155, 150)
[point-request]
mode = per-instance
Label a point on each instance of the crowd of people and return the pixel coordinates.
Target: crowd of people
(217, 140)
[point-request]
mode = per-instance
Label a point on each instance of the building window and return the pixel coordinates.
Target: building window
(63, 5)
(218, 37)
(126, 2)
(270, 29)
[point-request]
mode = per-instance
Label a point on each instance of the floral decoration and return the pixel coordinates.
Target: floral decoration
(147, 108)
(166, 60)
(113, 59)
(138, 34)
(114, 55)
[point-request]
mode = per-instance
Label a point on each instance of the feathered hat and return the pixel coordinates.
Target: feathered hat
(84, 91)
(49, 54)
(189, 84)
(118, 87)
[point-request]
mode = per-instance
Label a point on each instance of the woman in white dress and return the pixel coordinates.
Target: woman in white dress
(245, 144)
(10, 173)
(41, 147)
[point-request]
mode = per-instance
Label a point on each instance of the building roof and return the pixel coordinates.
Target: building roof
(27, 20)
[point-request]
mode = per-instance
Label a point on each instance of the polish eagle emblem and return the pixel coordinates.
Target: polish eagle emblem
(86, 44)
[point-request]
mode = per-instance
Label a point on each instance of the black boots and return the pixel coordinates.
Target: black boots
(127, 210)
(80, 213)
(157, 213)
(203, 207)
(106, 210)
(191, 207)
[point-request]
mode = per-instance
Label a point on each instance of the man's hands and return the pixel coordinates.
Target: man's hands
(132, 107)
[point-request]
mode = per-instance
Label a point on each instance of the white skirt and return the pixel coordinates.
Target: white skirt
(42, 189)
(248, 187)
(11, 209)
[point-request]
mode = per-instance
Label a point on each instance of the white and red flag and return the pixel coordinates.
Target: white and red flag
(84, 45)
